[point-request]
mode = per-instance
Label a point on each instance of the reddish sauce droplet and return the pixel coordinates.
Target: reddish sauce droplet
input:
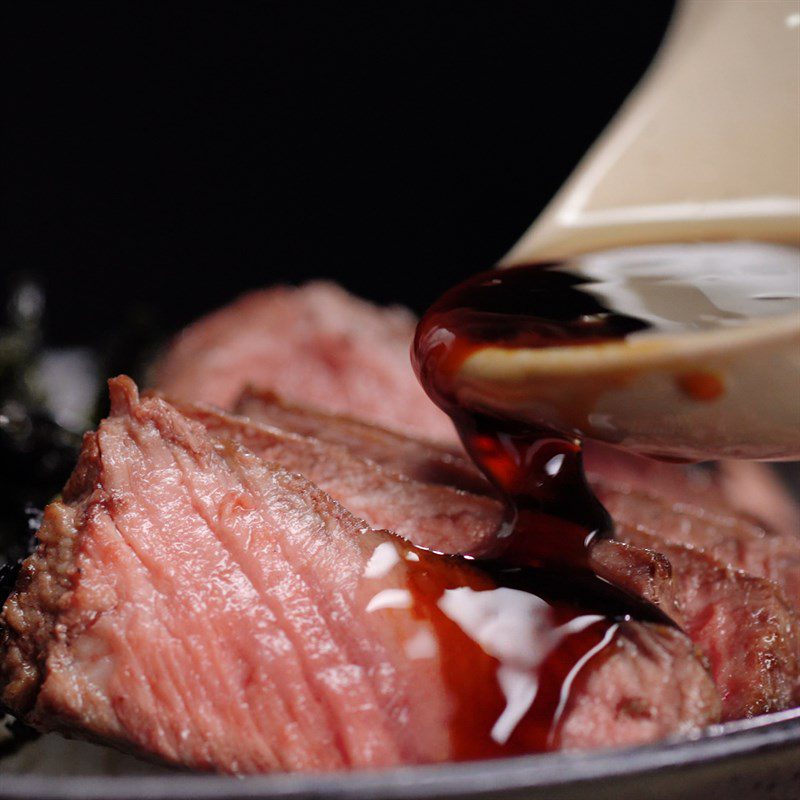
(701, 386)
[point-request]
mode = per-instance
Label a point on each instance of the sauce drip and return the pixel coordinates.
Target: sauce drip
(605, 297)
(552, 515)
(516, 645)
(553, 518)
(508, 702)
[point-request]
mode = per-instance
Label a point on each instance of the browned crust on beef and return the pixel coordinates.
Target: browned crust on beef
(730, 539)
(29, 619)
(31, 634)
(746, 629)
(414, 457)
(640, 571)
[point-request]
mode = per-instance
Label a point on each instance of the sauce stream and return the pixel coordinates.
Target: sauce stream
(601, 298)
(540, 557)
(553, 518)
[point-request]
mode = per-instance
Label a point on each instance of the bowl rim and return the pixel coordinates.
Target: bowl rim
(717, 743)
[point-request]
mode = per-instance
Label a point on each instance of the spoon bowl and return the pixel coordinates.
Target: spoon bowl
(704, 150)
(732, 393)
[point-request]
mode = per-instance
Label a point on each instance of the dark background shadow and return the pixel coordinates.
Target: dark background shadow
(166, 157)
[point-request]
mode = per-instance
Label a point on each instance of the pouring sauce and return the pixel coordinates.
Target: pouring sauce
(602, 298)
(553, 518)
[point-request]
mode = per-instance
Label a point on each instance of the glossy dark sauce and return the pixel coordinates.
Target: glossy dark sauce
(553, 517)
(598, 298)
(508, 685)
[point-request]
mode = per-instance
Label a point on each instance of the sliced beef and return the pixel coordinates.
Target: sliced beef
(734, 541)
(746, 629)
(316, 344)
(746, 490)
(650, 661)
(193, 603)
(413, 457)
(386, 500)
(652, 684)
(431, 515)
(436, 517)
(673, 504)
(172, 609)
(640, 571)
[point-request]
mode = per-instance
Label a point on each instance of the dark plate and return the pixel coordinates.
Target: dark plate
(751, 759)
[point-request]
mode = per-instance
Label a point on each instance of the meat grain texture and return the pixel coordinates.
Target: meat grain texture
(745, 625)
(198, 594)
(711, 527)
(193, 603)
(199, 606)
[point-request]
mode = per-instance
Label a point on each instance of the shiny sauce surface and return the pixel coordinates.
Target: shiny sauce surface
(595, 299)
(553, 516)
(515, 645)
(539, 565)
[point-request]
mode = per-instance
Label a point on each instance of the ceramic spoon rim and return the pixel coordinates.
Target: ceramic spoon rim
(640, 353)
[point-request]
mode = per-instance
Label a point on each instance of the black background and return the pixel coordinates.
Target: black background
(164, 158)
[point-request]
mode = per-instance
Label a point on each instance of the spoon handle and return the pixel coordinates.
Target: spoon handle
(705, 148)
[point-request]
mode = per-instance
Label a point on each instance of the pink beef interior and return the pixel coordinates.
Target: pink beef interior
(205, 612)
(195, 604)
(316, 344)
(200, 593)
(744, 625)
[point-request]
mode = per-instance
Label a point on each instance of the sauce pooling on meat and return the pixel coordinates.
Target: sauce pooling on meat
(553, 517)
(605, 297)
(516, 645)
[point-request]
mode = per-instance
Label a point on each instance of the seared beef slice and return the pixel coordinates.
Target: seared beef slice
(430, 515)
(316, 344)
(748, 632)
(415, 458)
(190, 602)
(734, 541)
(741, 623)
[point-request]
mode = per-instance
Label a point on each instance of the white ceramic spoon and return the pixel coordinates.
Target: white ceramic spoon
(707, 148)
